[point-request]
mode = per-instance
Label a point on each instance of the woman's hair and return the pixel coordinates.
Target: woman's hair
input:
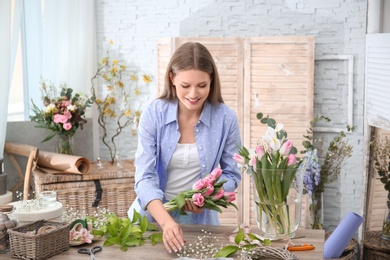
(192, 55)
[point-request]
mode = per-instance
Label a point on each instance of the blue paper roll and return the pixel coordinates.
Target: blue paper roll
(342, 235)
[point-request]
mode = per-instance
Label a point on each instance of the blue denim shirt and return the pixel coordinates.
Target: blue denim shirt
(217, 136)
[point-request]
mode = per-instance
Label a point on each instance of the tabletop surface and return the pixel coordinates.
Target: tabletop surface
(219, 235)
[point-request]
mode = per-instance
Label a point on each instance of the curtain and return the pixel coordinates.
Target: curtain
(68, 46)
(58, 45)
(7, 52)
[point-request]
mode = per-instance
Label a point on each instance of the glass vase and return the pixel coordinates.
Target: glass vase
(64, 144)
(278, 202)
(386, 223)
(316, 217)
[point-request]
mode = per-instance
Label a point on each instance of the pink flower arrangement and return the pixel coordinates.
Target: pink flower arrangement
(207, 192)
(82, 235)
(63, 114)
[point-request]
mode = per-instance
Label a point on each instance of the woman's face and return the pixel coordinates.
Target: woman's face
(192, 88)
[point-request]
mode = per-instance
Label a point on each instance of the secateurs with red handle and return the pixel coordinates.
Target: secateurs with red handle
(302, 247)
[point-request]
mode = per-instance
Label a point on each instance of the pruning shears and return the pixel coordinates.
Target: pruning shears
(302, 247)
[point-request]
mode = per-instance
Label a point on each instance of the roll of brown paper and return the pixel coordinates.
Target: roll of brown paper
(56, 163)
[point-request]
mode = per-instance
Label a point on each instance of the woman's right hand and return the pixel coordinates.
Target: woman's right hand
(173, 236)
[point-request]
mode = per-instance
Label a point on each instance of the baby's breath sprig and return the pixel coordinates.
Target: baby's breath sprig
(203, 247)
(27, 205)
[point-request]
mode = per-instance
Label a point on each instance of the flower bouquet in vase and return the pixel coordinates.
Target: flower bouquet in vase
(63, 114)
(277, 178)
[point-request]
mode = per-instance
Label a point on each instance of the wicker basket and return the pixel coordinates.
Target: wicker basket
(349, 251)
(111, 188)
(25, 245)
(374, 247)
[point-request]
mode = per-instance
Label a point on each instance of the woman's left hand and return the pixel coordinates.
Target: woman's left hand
(191, 207)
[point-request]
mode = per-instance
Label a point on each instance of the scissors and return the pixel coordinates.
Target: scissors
(90, 252)
(302, 247)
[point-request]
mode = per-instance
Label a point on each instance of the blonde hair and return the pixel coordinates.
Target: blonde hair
(192, 55)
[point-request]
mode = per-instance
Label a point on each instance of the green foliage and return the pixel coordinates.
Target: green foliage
(126, 232)
(380, 151)
(242, 242)
(335, 155)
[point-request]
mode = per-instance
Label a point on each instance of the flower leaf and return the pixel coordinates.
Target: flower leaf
(227, 251)
(125, 232)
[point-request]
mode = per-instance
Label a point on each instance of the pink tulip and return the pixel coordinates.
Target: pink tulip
(229, 196)
(286, 148)
(198, 185)
(198, 199)
(254, 163)
(209, 190)
(292, 159)
(239, 159)
(259, 151)
(209, 179)
(219, 195)
(67, 126)
(216, 173)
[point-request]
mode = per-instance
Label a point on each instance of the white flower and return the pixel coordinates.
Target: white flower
(271, 138)
(71, 108)
(50, 108)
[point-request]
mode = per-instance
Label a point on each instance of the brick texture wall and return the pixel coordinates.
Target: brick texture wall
(339, 28)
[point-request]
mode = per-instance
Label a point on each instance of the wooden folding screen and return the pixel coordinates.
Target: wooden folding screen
(272, 75)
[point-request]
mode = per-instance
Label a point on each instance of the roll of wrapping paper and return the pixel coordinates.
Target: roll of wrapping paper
(342, 235)
(56, 163)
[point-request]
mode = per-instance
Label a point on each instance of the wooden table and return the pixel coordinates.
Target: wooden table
(158, 251)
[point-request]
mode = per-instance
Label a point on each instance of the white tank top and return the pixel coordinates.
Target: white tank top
(183, 170)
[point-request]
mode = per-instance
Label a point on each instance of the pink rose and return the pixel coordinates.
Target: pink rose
(209, 180)
(60, 119)
(229, 196)
(209, 190)
(216, 173)
(292, 159)
(198, 199)
(198, 185)
(239, 159)
(56, 118)
(286, 148)
(68, 115)
(219, 195)
(67, 126)
(259, 151)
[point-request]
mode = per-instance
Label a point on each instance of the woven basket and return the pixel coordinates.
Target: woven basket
(349, 251)
(80, 192)
(374, 247)
(25, 245)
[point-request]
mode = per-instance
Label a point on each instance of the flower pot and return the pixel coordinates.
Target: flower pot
(278, 204)
(386, 223)
(64, 144)
(316, 216)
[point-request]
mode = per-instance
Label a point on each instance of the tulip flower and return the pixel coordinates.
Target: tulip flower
(286, 148)
(198, 199)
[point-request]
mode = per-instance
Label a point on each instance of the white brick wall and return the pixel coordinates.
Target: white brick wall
(339, 27)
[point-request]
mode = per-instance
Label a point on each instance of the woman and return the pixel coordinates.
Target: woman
(183, 135)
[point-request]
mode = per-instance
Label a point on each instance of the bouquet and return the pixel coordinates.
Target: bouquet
(206, 193)
(123, 92)
(63, 113)
(273, 165)
(321, 172)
